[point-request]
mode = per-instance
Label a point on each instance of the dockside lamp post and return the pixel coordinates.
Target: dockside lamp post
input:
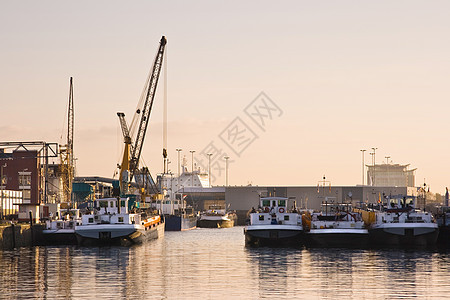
(387, 168)
(179, 150)
(178, 164)
(226, 170)
(362, 151)
(192, 168)
(374, 163)
(209, 168)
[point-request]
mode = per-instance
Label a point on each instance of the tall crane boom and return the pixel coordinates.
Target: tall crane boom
(145, 112)
(66, 152)
(124, 126)
(125, 166)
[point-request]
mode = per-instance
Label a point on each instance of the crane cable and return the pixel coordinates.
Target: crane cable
(165, 116)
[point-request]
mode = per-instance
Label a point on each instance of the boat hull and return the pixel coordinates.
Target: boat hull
(397, 234)
(273, 235)
(179, 223)
(215, 223)
(347, 238)
(122, 235)
(444, 235)
(59, 237)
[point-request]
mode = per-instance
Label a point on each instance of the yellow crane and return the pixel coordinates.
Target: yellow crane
(132, 152)
(66, 153)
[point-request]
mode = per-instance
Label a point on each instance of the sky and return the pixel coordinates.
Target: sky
(291, 91)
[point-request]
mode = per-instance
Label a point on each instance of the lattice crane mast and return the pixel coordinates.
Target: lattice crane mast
(66, 152)
(125, 166)
(136, 149)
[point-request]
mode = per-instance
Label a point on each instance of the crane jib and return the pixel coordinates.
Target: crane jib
(147, 107)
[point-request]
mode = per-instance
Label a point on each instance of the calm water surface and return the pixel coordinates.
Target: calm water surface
(215, 264)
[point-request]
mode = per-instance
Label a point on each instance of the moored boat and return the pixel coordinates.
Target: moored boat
(273, 224)
(216, 217)
(443, 221)
(61, 230)
(399, 223)
(111, 223)
(177, 215)
(337, 225)
(181, 220)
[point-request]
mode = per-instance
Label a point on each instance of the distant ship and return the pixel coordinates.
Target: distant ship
(178, 215)
(216, 217)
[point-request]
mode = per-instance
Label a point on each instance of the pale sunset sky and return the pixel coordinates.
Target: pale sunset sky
(340, 76)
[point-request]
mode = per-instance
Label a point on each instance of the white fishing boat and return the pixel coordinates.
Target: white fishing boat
(111, 223)
(216, 217)
(274, 224)
(337, 225)
(60, 230)
(399, 223)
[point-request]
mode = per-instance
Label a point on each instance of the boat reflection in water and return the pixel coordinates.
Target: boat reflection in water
(196, 264)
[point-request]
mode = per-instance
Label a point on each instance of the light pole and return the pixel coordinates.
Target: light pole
(192, 168)
(192, 152)
(179, 150)
(374, 162)
(362, 151)
(209, 168)
(226, 170)
(1, 182)
(371, 172)
(374, 150)
(387, 168)
(178, 168)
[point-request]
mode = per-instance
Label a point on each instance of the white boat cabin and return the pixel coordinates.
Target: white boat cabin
(64, 219)
(110, 211)
(401, 209)
(274, 210)
(335, 214)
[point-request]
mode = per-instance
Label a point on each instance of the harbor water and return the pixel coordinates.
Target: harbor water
(215, 264)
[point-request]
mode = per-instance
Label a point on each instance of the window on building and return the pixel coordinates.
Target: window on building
(26, 194)
(24, 178)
